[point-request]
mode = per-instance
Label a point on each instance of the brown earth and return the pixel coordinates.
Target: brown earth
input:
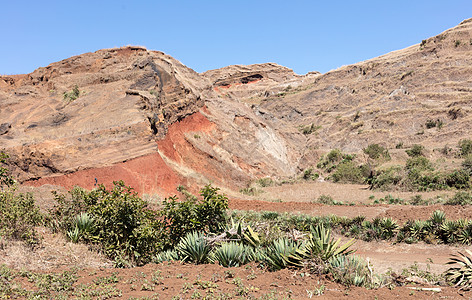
(185, 281)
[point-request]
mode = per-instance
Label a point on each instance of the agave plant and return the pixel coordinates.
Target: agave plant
(193, 247)
(436, 220)
(84, 222)
(388, 228)
(74, 235)
(321, 246)
(232, 254)
(238, 232)
(349, 270)
(283, 253)
(465, 235)
(449, 231)
(462, 275)
(83, 227)
(169, 255)
(417, 229)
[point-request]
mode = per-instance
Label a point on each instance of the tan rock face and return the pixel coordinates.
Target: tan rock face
(139, 115)
(107, 114)
(388, 99)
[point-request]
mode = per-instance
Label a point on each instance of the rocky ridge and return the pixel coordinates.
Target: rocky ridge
(139, 115)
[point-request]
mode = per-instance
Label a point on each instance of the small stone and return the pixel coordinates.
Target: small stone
(4, 128)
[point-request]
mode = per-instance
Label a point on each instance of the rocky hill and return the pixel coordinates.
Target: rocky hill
(139, 115)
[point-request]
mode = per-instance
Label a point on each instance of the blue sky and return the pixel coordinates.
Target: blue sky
(302, 35)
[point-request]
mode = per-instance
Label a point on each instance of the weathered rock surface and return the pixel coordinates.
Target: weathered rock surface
(141, 116)
(135, 109)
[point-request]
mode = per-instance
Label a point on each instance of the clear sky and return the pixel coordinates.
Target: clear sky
(302, 35)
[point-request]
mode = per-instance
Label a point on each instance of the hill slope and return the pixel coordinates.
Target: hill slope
(143, 117)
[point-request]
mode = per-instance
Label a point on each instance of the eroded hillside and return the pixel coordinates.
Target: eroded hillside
(142, 116)
(136, 115)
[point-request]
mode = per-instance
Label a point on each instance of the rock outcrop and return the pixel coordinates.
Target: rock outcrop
(141, 116)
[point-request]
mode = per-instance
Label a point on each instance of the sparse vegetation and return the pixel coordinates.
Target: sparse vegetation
(415, 150)
(309, 129)
(5, 178)
(437, 229)
(434, 123)
(328, 200)
(309, 174)
(465, 147)
(18, 217)
(72, 95)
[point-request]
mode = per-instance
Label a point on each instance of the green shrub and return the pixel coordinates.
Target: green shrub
(434, 123)
(18, 217)
(72, 95)
(125, 226)
(375, 151)
(459, 179)
(388, 178)
(348, 172)
(333, 159)
(467, 164)
(207, 215)
(265, 182)
(308, 174)
(389, 199)
(309, 129)
(5, 178)
(420, 163)
(415, 150)
(334, 155)
(465, 147)
(62, 215)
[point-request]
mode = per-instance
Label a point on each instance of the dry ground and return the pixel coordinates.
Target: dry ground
(57, 254)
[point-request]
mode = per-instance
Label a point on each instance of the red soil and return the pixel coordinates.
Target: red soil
(150, 174)
(147, 174)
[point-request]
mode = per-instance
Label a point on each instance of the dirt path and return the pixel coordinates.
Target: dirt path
(401, 213)
(357, 193)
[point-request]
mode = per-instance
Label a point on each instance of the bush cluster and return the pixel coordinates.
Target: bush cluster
(72, 95)
(122, 225)
(419, 174)
(342, 167)
(415, 151)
